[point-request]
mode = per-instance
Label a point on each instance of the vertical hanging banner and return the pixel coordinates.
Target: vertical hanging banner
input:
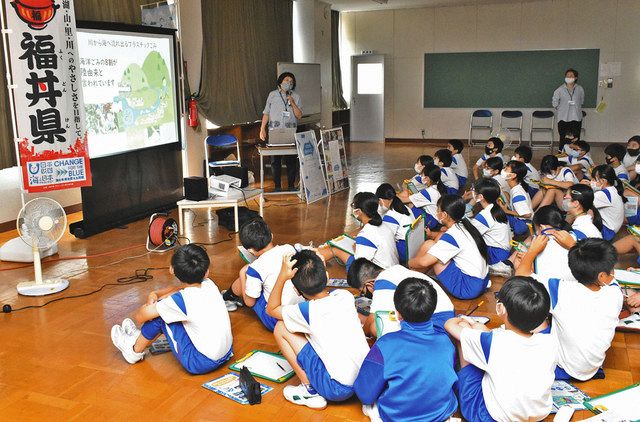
(49, 109)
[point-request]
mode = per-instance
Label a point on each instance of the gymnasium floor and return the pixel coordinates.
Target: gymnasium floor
(58, 363)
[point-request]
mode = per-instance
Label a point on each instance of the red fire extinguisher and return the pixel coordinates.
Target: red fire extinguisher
(193, 112)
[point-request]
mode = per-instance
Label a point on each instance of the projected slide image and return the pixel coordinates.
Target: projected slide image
(129, 91)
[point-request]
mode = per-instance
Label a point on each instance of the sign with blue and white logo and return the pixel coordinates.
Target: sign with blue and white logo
(311, 174)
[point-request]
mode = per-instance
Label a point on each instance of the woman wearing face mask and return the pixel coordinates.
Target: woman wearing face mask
(608, 199)
(426, 200)
(493, 225)
(555, 179)
(374, 242)
(396, 216)
(459, 256)
(520, 210)
(282, 110)
(568, 100)
(586, 218)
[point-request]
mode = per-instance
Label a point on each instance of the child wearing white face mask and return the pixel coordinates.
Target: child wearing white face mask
(555, 180)
(519, 211)
(493, 168)
(425, 201)
(421, 163)
(608, 199)
(396, 216)
(580, 162)
(443, 159)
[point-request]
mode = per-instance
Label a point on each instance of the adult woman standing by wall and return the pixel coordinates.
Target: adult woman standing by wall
(568, 100)
(282, 110)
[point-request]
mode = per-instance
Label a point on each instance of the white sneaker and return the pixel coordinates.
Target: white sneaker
(500, 269)
(371, 410)
(124, 343)
(299, 394)
(230, 305)
(129, 327)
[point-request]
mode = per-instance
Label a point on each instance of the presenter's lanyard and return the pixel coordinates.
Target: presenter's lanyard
(570, 92)
(283, 101)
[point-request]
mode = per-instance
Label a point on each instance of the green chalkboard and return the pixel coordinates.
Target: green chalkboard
(506, 79)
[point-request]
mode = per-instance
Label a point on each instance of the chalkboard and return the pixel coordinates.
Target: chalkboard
(308, 85)
(506, 79)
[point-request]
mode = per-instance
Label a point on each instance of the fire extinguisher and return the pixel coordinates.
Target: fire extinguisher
(193, 112)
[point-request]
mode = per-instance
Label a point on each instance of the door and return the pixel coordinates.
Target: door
(367, 97)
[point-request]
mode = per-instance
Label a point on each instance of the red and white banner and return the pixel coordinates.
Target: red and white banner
(48, 96)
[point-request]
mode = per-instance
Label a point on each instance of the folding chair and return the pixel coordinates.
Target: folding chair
(478, 121)
(220, 142)
(542, 116)
(506, 122)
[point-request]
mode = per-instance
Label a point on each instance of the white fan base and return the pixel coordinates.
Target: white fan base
(47, 287)
(15, 250)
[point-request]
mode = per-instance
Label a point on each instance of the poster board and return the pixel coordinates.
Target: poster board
(311, 174)
(334, 161)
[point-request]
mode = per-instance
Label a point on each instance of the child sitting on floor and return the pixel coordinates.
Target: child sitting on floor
(555, 179)
(584, 314)
(458, 164)
(519, 211)
(609, 199)
(396, 216)
(443, 159)
(321, 338)
(192, 317)
(492, 149)
(493, 168)
(506, 374)
(395, 375)
(581, 211)
(421, 162)
(459, 255)
(426, 200)
(255, 281)
(524, 154)
(614, 154)
(581, 162)
(631, 157)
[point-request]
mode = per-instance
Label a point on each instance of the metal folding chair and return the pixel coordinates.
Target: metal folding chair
(478, 121)
(507, 119)
(542, 117)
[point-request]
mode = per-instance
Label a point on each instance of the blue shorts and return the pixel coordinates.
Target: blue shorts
(452, 191)
(260, 308)
(472, 405)
(634, 220)
(497, 254)
(461, 181)
(430, 221)
(561, 374)
(532, 191)
(607, 233)
(183, 349)
(319, 377)
(401, 246)
(461, 285)
(518, 225)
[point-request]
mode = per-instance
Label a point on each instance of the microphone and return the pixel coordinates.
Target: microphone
(288, 95)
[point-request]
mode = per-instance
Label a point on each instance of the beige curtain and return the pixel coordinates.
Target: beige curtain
(243, 40)
(123, 11)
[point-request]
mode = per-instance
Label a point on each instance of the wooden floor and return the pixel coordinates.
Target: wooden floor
(58, 363)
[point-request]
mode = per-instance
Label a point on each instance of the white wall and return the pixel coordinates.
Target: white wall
(312, 44)
(405, 35)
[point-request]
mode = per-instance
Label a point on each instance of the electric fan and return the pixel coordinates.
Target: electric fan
(507, 137)
(41, 223)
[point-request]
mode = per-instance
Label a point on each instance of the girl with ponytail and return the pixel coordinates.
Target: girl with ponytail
(459, 256)
(374, 242)
(608, 199)
(492, 224)
(396, 216)
(586, 218)
(520, 209)
(425, 201)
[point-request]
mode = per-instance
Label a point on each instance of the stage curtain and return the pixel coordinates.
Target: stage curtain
(337, 98)
(242, 42)
(124, 11)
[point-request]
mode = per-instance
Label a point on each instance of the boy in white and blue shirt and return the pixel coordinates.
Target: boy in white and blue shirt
(524, 154)
(584, 313)
(321, 338)
(381, 285)
(458, 163)
(506, 374)
(191, 316)
(443, 159)
(255, 282)
(492, 149)
(395, 374)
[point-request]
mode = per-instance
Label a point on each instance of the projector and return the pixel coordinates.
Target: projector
(220, 185)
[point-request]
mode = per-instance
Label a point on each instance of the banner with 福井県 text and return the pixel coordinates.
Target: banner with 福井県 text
(49, 109)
